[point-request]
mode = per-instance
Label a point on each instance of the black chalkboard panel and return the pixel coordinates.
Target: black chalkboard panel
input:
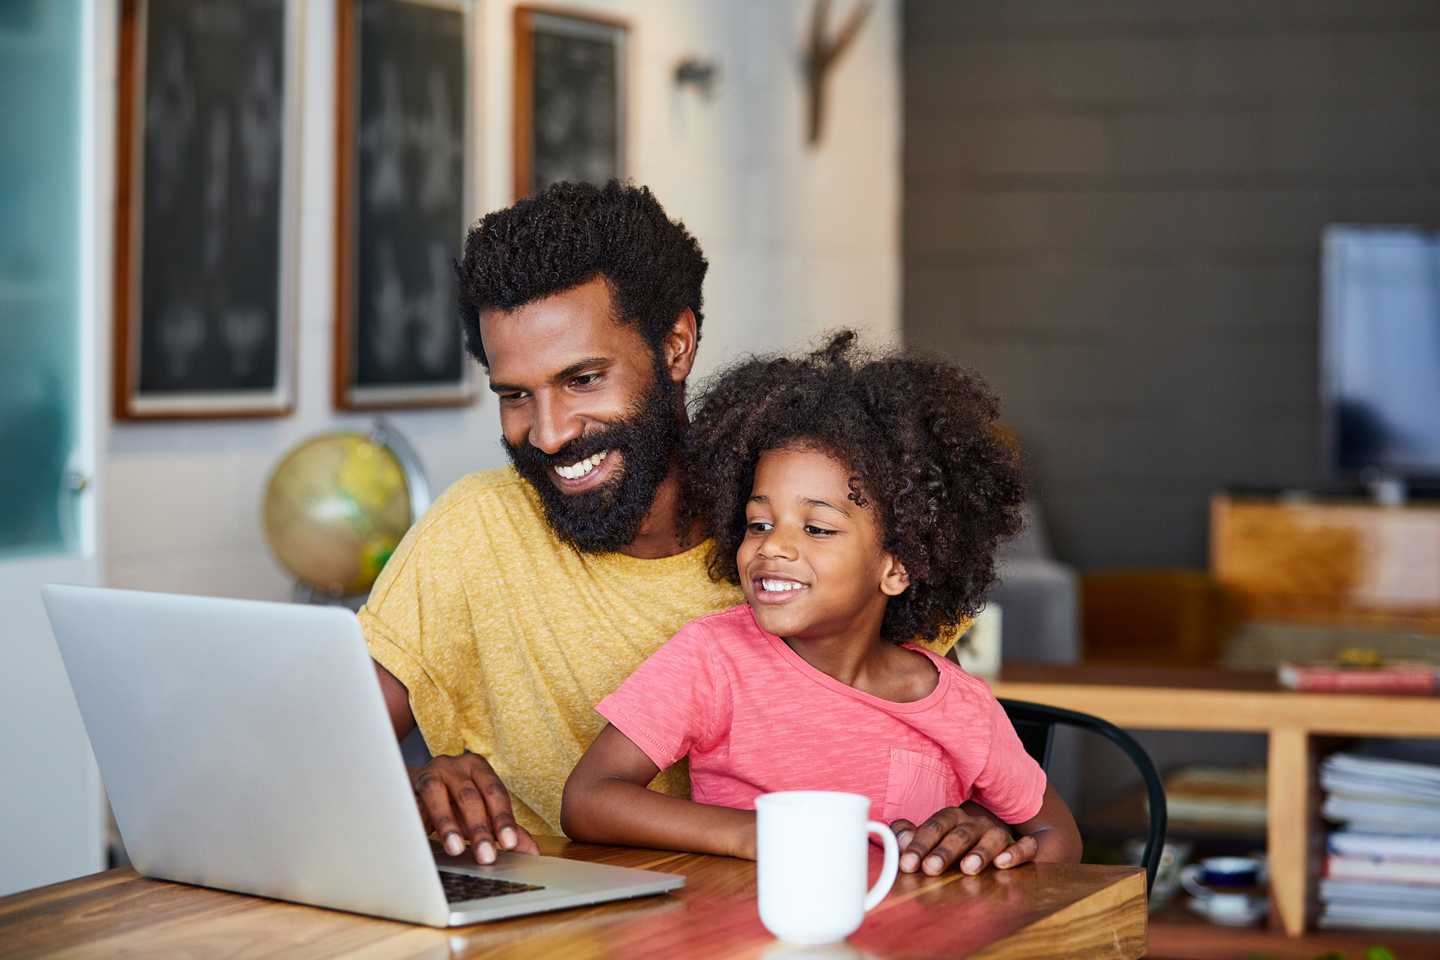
(205, 307)
(570, 99)
(409, 77)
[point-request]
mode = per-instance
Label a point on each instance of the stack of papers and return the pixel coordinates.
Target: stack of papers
(1216, 796)
(1382, 869)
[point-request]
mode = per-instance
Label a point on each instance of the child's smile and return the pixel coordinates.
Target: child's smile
(776, 589)
(811, 562)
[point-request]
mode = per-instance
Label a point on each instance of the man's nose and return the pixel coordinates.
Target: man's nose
(553, 426)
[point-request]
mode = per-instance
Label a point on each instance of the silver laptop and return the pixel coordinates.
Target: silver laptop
(246, 746)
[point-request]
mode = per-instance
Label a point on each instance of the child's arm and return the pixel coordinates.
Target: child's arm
(953, 834)
(1057, 839)
(606, 801)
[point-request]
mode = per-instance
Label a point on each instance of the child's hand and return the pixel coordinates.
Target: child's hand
(970, 832)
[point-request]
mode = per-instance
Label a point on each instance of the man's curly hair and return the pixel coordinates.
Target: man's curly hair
(921, 438)
(569, 234)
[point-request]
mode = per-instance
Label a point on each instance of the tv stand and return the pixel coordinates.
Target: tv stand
(1385, 489)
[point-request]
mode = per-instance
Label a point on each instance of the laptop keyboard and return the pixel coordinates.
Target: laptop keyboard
(462, 886)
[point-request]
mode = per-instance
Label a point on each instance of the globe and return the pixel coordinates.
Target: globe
(337, 506)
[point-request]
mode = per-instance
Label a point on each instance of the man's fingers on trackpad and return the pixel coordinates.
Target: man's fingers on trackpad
(450, 836)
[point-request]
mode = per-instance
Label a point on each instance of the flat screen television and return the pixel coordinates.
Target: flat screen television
(1380, 347)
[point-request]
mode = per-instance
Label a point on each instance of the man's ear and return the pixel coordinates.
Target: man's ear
(678, 347)
(893, 577)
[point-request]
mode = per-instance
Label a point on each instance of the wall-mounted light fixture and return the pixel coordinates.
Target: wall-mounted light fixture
(697, 73)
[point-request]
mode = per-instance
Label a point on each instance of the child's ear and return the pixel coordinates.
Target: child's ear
(893, 578)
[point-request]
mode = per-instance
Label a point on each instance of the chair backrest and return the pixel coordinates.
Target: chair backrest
(1037, 737)
(1035, 723)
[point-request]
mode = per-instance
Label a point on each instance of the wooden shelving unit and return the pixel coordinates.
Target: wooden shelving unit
(1300, 727)
(1177, 934)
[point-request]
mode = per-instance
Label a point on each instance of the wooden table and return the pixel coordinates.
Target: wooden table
(1035, 911)
(1239, 701)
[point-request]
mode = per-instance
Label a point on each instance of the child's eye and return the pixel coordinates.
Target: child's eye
(758, 526)
(815, 531)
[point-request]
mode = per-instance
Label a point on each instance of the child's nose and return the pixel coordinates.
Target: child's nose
(778, 545)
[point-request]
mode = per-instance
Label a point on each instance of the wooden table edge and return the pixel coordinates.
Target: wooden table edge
(1109, 923)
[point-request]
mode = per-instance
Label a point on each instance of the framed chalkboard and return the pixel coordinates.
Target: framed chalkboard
(406, 75)
(570, 98)
(205, 232)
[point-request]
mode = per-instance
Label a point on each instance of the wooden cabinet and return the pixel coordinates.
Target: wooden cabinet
(1328, 561)
(1240, 701)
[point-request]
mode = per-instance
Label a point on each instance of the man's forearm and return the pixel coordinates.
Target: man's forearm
(612, 810)
(397, 702)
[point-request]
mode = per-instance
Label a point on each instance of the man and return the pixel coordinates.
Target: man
(526, 595)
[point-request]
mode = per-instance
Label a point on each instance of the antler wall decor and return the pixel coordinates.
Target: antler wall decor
(823, 53)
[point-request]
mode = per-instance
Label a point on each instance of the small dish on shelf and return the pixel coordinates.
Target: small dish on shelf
(1231, 909)
(1227, 890)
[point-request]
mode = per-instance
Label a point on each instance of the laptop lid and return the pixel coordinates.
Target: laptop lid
(245, 745)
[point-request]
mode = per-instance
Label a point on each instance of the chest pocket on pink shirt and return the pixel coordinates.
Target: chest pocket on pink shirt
(919, 785)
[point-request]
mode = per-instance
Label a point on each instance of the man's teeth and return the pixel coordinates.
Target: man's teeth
(577, 470)
(772, 586)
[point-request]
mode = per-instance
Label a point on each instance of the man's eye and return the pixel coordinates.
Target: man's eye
(815, 531)
(586, 379)
(515, 397)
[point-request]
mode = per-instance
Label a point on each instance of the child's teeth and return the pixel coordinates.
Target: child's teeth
(780, 585)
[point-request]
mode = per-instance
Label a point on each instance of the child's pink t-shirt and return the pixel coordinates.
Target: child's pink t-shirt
(754, 718)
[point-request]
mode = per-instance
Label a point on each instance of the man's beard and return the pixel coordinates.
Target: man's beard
(608, 517)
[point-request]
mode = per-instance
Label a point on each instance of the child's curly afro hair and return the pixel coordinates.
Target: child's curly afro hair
(922, 440)
(570, 233)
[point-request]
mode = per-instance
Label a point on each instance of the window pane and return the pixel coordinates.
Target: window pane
(39, 270)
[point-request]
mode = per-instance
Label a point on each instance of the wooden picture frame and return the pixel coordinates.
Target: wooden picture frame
(571, 97)
(405, 163)
(205, 230)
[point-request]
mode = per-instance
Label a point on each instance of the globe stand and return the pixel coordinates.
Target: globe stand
(304, 593)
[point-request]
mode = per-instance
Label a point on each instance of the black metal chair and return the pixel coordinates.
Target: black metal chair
(1035, 723)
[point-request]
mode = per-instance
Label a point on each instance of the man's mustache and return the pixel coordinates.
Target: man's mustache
(572, 452)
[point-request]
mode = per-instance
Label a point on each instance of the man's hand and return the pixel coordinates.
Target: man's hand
(461, 798)
(970, 832)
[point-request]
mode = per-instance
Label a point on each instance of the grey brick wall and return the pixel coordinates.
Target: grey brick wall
(1113, 212)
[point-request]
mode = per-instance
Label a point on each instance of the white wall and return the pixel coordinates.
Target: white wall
(799, 240)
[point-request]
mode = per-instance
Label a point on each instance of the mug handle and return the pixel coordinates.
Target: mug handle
(1188, 879)
(888, 869)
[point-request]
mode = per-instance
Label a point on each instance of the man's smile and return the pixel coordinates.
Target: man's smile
(585, 474)
(576, 471)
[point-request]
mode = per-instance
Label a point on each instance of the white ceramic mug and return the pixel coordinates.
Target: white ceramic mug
(813, 853)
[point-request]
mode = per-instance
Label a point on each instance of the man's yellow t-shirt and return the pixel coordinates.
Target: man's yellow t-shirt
(506, 637)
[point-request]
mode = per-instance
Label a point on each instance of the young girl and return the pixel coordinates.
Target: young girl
(858, 505)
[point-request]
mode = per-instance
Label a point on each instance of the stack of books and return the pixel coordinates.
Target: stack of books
(1382, 868)
(1350, 676)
